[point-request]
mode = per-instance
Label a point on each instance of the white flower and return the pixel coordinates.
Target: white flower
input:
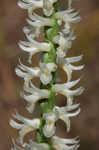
(68, 17)
(48, 7)
(34, 47)
(27, 126)
(34, 4)
(38, 22)
(65, 144)
(65, 42)
(32, 95)
(46, 69)
(36, 146)
(68, 67)
(31, 32)
(49, 127)
(31, 146)
(43, 72)
(64, 89)
(28, 73)
(65, 113)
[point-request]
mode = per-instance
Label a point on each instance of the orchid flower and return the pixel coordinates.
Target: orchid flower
(34, 47)
(27, 126)
(34, 95)
(68, 17)
(64, 89)
(65, 43)
(65, 144)
(43, 72)
(66, 64)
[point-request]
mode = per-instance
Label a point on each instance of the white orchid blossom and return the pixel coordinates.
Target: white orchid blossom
(49, 127)
(27, 126)
(43, 72)
(64, 89)
(65, 42)
(68, 17)
(31, 32)
(47, 5)
(34, 4)
(31, 146)
(65, 144)
(38, 22)
(35, 146)
(66, 64)
(34, 47)
(32, 95)
(65, 113)
(28, 73)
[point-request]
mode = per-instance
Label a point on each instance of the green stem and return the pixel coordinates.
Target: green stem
(47, 105)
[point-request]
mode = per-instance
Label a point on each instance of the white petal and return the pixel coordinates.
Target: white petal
(76, 92)
(76, 67)
(24, 5)
(15, 124)
(73, 114)
(62, 144)
(45, 79)
(74, 59)
(30, 107)
(34, 123)
(65, 141)
(28, 4)
(28, 49)
(25, 130)
(47, 7)
(20, 73)
(30, 98)
(68, 85)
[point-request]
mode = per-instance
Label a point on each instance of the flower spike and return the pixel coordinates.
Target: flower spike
(58, 37)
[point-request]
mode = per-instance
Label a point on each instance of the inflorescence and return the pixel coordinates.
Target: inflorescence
(57, 27)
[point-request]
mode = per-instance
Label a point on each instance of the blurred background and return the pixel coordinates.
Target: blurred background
(86, 125)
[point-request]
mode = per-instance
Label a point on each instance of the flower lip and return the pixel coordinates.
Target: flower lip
(48, 7)
(45, 72)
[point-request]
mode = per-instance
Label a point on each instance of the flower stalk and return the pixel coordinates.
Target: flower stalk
(57, 27)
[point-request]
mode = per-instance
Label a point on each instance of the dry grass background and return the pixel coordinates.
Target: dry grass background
(86, 125)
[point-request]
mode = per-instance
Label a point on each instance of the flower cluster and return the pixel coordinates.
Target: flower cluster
(57, 26)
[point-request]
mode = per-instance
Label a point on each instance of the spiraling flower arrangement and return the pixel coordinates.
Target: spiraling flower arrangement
(57, 27)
